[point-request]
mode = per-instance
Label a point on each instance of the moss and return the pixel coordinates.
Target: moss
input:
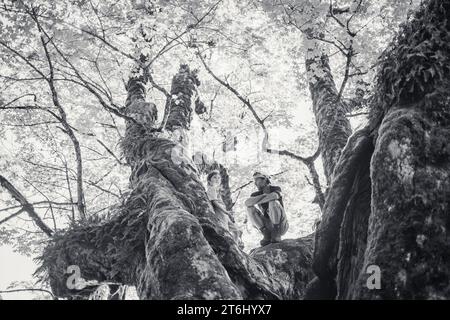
(104, 250)
(416, 65)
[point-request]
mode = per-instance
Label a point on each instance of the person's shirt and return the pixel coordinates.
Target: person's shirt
(265, 206)
(214, 195)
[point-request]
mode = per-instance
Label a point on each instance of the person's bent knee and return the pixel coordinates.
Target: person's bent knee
(275, 204)
(276, 211)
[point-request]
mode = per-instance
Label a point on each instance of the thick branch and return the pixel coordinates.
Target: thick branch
(334, 128)
(327, 238)
(28, 207)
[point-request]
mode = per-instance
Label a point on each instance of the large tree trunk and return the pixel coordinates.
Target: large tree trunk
(408, 234)
(334, 131)
(329, 110)
(347, 194)
(396, 218)
(166, 239)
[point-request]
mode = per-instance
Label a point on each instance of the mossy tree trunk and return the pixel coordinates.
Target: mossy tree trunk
(333, 130)
(166, 239)
(389, 199)
(329, 110)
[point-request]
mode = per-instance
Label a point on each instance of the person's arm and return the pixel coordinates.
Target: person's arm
(219, 204)
(253, 200)
(269, 197)
(213, 196)
(250, 202)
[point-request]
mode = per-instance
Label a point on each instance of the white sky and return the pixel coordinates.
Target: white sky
(14, 267)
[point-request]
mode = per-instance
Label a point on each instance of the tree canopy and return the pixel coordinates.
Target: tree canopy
(64, 70)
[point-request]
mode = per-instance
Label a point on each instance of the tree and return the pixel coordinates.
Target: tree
(184, 252)
(164, 238)
(377, 210)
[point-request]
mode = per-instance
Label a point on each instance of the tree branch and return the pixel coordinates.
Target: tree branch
(308, 161)
(30, 289)
(80, 193)
(12, 216)
(26, 206)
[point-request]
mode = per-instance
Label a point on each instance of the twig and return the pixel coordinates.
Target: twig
(62, 115)
(30, 289)
(12, 216)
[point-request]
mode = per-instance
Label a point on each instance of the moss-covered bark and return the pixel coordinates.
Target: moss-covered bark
(166, 239)
(344, 197)
(403, 227)
(410, 168)
(333, 126)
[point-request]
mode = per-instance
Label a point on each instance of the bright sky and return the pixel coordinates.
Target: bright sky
(14, 267)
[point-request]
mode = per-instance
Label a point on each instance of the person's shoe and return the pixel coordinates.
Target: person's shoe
(266, 240)
(276, 233)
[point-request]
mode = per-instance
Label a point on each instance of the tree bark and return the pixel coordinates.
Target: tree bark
(333, 127)
(166, 239)
(407, 235)
(26, 206)
(344, 196)
(388, 202)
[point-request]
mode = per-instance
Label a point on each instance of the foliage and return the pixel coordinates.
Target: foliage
(117, 239)
(94, 44)
(415, 67)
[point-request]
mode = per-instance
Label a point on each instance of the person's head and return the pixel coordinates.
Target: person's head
(214, 178)
(261, 180)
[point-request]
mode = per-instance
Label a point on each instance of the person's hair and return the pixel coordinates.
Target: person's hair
(212, 174)
(265, 177)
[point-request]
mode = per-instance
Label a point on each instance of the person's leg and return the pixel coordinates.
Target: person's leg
(276, 211)
(261, 223)
(278, 217)
(284, 226)
(256, 217)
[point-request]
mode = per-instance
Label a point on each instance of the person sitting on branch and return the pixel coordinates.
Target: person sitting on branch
(214, 182)
(266, 210)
